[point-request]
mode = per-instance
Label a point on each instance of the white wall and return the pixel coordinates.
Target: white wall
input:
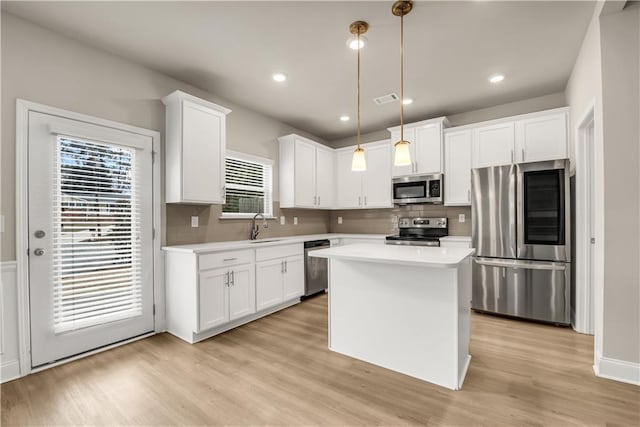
(41, 66)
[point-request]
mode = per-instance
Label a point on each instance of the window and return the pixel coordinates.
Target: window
(248, 185)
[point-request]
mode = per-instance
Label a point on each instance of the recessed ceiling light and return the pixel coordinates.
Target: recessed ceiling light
(407, 101)
(352, 42)
(344, 118)
(496, 78)
(279, 77)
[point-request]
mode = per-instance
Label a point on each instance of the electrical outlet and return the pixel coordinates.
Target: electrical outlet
(461, 218)
(194, 221)
(339, 220)
(283, 220)
(295, 220)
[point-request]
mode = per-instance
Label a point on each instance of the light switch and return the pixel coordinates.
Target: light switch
(295, 220)
(194, 221)
(461, 218)
(339, 220)
(283, 220)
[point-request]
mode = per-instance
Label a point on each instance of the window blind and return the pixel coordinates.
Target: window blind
(96, 253)
(248, 187)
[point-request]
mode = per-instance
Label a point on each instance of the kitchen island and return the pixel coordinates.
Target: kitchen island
(404, 308)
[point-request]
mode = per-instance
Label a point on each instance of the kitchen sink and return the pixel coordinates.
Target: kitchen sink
(265, 241)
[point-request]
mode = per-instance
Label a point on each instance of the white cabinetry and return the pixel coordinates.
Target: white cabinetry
(541, 138)
(306, 173)
(279, 275)
(455, 242)
(426, 146)
(527, 138)
(457, 167)
(493, 145)
(367, 189)
(209, 293)
(195, 149)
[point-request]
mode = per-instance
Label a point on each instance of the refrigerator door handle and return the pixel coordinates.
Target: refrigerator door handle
(525, 265)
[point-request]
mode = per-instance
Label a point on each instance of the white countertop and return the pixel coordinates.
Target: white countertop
(265, 242)
(456, 239)
(419, 256)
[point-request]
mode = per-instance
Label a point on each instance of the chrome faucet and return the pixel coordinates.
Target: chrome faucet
(255, 228)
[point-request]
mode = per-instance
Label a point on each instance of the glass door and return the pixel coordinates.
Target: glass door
(543, 206)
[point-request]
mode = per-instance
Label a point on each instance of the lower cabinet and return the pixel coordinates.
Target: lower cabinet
(279, 280)
(209, 293)
(225, 295)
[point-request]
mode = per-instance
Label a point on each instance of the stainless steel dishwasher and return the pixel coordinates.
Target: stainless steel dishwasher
(315, 269)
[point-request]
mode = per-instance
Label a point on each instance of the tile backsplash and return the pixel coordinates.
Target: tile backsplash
(385, 221)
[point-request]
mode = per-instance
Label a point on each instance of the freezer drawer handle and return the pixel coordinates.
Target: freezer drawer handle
(524, 266)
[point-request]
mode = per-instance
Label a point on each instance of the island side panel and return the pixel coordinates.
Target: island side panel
(402, 319)
(464, 318)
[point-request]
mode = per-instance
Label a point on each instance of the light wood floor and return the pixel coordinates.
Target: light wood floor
(278, 371)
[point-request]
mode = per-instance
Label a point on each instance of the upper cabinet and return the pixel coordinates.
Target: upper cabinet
(527, 138)
(367, 189)
(306, 173)
(457, 167)
(195, 149)
(426, 146)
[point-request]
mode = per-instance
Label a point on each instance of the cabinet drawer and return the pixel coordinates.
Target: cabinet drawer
(223, 259)
(283, 251)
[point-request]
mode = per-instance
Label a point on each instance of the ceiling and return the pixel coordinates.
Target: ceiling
(231, 49)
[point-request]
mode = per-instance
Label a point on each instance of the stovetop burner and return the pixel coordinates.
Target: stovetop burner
(420, 231)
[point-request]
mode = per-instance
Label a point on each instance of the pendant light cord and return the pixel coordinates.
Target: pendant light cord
(402, 78)
(358, 92)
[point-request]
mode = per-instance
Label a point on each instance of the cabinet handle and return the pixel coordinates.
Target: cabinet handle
(469, 195)
(318, 200)
(226, 279)
(359, 204)
(365, 200)
(229, 259)
(523, 154)
(286, 266)
(511, 156)
(315, 200)
(281, 266)
(233, 278)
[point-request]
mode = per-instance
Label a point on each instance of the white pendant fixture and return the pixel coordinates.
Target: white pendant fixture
(402, 155)
(359, 162)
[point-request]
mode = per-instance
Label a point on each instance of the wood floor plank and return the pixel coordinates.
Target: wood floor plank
(278, 371)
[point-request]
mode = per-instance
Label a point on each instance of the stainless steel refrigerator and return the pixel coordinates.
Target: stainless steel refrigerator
(521, 233)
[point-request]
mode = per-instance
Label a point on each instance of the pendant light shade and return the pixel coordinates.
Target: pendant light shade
(402, 155)
(359, 162)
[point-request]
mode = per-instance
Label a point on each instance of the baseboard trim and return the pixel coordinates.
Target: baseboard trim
(617, 370)
(9, 371)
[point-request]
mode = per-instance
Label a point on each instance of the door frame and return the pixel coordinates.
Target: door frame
(588, 276)
(23, 108)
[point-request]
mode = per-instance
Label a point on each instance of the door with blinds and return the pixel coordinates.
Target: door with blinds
(90, 236)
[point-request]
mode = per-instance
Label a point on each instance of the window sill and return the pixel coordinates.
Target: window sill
(244, 216)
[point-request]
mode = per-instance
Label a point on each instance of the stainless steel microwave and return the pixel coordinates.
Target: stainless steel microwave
(418, 189)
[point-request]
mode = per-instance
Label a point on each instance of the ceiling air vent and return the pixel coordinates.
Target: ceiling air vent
(385, 99)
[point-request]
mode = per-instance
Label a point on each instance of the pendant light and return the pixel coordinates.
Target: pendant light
(402, 155)
(359, 162)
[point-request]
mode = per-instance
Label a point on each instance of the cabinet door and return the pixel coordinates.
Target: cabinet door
(203, 148)
(377, 178)
(409, 135)
(293, 277)
(305, 174)
(493, 145)
(457, 170)
(541, 138)
(428, 149)
(242, 291)
(213, 296)
(348, 182)
(324, 178)
(269, 290)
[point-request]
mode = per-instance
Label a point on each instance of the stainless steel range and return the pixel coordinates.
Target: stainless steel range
(419, 232)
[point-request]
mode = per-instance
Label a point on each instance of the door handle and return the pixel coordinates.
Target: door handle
(39, 252)
(522, 265)
(39, 234)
